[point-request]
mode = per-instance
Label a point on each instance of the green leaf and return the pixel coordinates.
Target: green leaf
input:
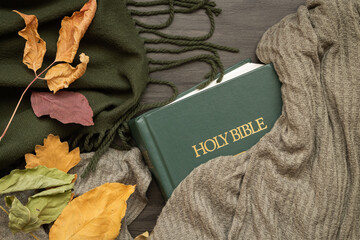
(9, 200)
(34, 178)
(48, 204)
(42, 208)
(48, 207)
(20, 217)
(53, 191)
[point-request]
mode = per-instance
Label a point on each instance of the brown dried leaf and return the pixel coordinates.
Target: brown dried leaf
(96, 214)
(54, 154)
(72, 31)
(64, 106)
(62, 75)
(35, 47)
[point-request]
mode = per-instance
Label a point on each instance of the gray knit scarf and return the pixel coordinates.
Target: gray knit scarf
(302, 180)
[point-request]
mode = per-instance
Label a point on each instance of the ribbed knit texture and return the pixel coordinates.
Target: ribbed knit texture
(301, 181)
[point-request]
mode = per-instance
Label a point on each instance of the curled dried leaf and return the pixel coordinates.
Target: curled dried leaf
(72, 31)
(62, 75)
(35, 47)
(42, 208)
(34, 178)
(96, 214)
(20, 217)
(53, 154)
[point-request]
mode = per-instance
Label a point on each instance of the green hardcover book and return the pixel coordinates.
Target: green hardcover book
(225, 118)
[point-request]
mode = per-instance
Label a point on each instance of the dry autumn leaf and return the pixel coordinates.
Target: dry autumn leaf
(72, 31)
(62, 75)
(53, 154)
(142, 236)
(64, 106)
(94, 215)
(35, 47)
(43, 207)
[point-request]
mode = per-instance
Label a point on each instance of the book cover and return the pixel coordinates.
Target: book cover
(225, 119)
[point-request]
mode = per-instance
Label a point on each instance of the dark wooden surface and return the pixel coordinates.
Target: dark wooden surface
(240, 25)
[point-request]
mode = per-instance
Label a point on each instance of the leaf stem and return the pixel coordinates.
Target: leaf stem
(22, 95)
(33, 236)
(29, 232)
(4, 210)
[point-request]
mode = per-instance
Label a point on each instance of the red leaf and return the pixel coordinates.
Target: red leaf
(64, 106)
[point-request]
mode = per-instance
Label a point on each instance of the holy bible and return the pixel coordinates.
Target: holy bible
(225, 118)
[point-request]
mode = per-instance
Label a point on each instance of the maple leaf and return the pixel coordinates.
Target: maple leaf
(53, 154)
(64, 106)
(96, 214)
(72, 31)
(35, 47)
(62, 75)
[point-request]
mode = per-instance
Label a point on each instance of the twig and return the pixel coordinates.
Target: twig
(22, 95)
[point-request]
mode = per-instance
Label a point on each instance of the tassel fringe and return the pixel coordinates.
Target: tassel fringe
(101, 142)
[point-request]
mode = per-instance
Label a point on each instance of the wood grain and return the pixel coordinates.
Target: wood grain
(241, 25)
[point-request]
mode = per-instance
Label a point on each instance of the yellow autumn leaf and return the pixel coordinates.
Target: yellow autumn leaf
(142, 236)
(62, 75)
(72, 31)
(53, 154)
(35, 47)
(94, 215)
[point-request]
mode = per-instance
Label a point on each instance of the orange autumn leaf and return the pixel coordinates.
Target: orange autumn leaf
(35, 47)
(63, 74)
(94, 215)
(72, 31)
(142, 236)
(53, 154)
(75, 178)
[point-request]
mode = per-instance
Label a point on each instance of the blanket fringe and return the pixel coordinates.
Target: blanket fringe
(101, 142)
(184, 43)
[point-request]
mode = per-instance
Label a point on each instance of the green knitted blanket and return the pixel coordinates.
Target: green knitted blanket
(116, 76)
(302, 180)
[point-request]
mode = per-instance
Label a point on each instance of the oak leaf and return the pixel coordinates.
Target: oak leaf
(72, 31)
(62, 75)
(64, 106)
(53, 154)
(94, 215)
(35, 47)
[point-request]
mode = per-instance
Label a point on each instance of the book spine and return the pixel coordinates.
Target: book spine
(152, 155)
